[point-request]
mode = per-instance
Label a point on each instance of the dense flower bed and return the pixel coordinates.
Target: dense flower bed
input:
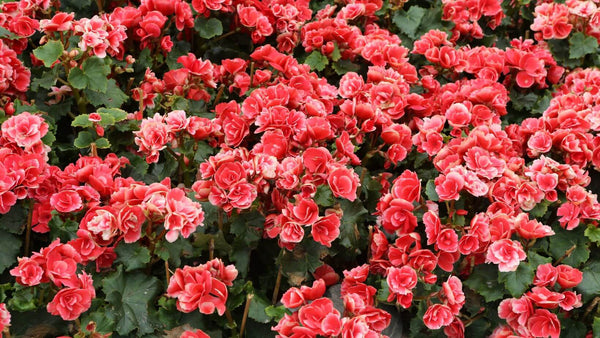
(218, 167)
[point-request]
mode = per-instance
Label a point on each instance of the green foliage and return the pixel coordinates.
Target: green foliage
(92, 75)
(131, 299)
(581, 45)
(317, 61)
(50, 52)
(208, 28)
(409, 21)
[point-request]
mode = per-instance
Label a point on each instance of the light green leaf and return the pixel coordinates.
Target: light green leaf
(593, 233)
(317, 61)
(409, 21)
(92, 75)
(49, 53)
(208, 28)
(82, 120)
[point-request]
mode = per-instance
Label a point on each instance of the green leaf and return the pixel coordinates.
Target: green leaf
(581, 45)
(590, 284)
(336, 55)
(353, 214)
(92, 75)
(484, 280)
(83, 140)
(523, 102)
(203, 152)
(518, 281)
(342, 67)
(565, 240)
(130, 296)
(409, 21)
(430, 191)
(540, 209)
(258, 305)
(114, 97)
(133, 256)
(316, 61)
(593, 233)
(117, 114)
(82, 121)
(208, 28)
(10, 246)
(276, 312)
(324, 196)
(14, 221)
(46, 81)
(596, 327)
(49, 53)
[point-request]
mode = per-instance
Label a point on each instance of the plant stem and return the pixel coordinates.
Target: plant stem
(231, 322)
(167, 271)
(567, 254)
(277, 285)
(28, 230)
(211, 248)
(246, 311)
(99, 4)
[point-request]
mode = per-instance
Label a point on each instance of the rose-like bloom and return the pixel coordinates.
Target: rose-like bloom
(506, 253)
(71, 302)
(401, 281)
(326, 229)
(66, 201)
(152, 137)
(305, 211)
(438, 315)
(61, 263)
(454, 294)
(194, 334)
(24, 129)
(4, 317)
(545, 298)
(292, 298)
(229, 174)
(313, 315)
(291, 232)
(242, 195)
(458, 115)
(315, 159)
(183, 215)
(343, 182)
(544, 323)
(568, 276)
(398, 217)
(195, 288)
(327, 274)
(449, 186)
(24, 26)
(447, 240)
(29, 272)
(407, 187)
(545, 275)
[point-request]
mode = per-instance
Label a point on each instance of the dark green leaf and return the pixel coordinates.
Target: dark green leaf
(353, 214)
(114, 97)
(324, 196)
(484, 280)
(581, 45)
(133, 256)
(84, 139)
(342, 67)
(317, 61)
(10, 246)
(208, 28)
(92, 75)
(590, 285)
(15, 220)
(130, 296)
(258, 305)
(49, 53)
(409, 21)
(102, 143)
(173, 252)
(430, 191)
(565, 240)
(517, 282)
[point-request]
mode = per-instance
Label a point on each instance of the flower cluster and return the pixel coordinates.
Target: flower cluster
(203, 287)
(530, 315)
(58, 264)
(316, 315)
